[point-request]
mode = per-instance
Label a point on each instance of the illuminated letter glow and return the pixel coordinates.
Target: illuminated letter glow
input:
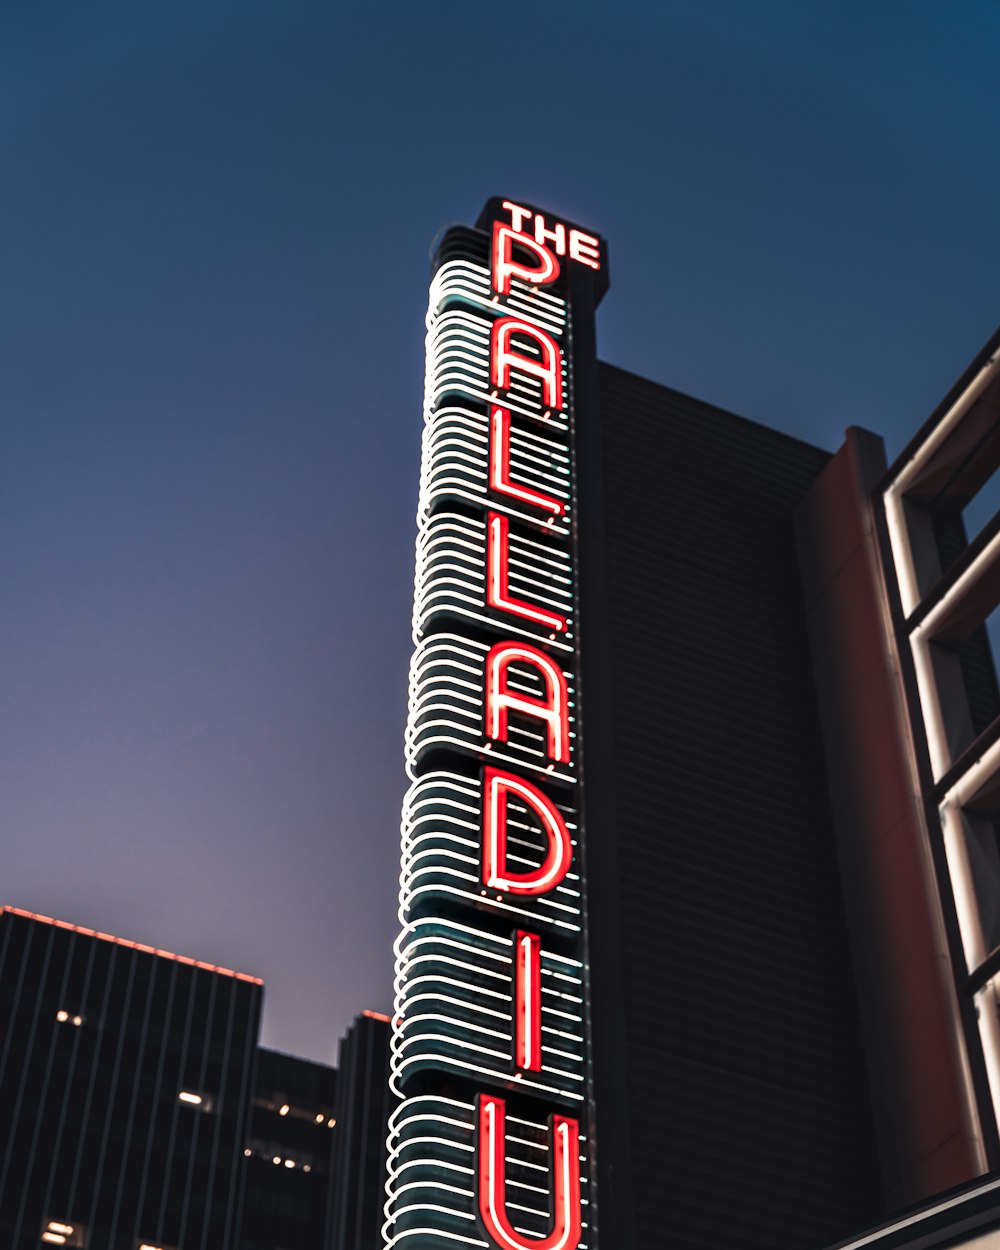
(564, 1138)
(557, 234)
(527, 1001)
(506, 267)
(497, 786)
(553, 710)
(497, 582)
(518, 215)
(585, 249)
(503, 358)
(500, 466)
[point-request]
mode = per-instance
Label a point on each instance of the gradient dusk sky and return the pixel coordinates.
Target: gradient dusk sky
(216, 221)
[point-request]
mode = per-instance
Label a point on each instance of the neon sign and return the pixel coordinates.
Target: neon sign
(489, 1044)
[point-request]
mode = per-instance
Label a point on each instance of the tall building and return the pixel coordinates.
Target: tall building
(699, 860)
(289, 1153)
(728, 1052)
(139, 1112)
(125, 1079)
(358, 1177)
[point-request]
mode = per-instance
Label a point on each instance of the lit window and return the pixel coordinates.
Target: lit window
(306, 1167)
(147, 1245)
(192, 1099)
(289, 1163)
(62, 1233)
(78, 1020)
(276, 1159)
(331, 1122)
(284, 1109)
(320, 1118)
(62, 1016)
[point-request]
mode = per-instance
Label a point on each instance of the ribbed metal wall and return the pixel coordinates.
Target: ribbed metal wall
(358, 1182)
(289, 1153)
(746, 1121)
(99, 1038)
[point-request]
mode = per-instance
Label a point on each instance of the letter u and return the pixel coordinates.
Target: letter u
(564, 1154)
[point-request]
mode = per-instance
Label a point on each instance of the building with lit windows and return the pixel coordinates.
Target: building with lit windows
(358, 1175)
(139, 1112)
(700, 874)
(288, 1153)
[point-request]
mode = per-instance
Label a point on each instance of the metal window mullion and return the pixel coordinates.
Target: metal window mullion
(21, 1205)
(236, 1191)
(89, 1096)
(112, 1093)
(11, 1127)
(176, 1107)
(169, 967)
(71, 1069)
(218, 1115)
(206, 1034)
(130, 1120)
(33, 1149)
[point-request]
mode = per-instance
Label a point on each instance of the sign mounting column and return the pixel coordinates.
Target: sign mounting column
(490, 1146)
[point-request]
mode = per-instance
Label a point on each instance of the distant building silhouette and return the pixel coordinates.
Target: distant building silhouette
(139, 1113)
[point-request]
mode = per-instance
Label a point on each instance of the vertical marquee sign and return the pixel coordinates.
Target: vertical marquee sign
(490, 1146)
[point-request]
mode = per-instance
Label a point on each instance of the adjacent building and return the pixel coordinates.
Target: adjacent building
(289, 1153)
(139, 1112)
(357, 1192)
(125, 1082)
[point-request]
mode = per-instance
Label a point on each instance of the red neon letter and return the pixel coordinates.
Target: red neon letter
(585, 248)
(502, 358)
(527, 1001)
(559, 855)
(518, 215)
(564, 1138)
(500, 465)
(505, 267)
(557, 235)
(497, 577)
(553, 709)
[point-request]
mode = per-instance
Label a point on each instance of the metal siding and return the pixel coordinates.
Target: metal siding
(90, 1110)
(748, 1115)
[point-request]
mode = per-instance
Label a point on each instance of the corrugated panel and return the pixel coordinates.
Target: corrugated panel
(748, 1107)
(99, 1038)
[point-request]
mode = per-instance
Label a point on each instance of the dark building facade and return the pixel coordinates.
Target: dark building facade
(358, 1177)
(700, 878)
(125, 1081)
(727, 1046)
(289, 1153)
(139, 1112)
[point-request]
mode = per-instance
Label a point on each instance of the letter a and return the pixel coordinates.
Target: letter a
(559, 854)
(553, 710)
(564, 1151)
(503, 358)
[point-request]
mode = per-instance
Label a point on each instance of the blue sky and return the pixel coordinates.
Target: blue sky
(217, 219)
